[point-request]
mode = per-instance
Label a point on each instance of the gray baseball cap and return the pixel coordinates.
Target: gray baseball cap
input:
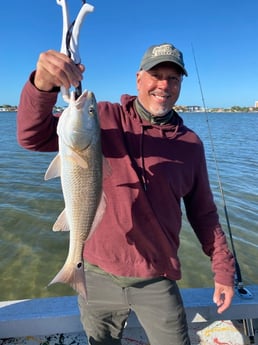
(164, 52)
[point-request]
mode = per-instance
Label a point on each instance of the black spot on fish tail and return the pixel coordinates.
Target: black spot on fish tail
(74, 276)
(79, 265)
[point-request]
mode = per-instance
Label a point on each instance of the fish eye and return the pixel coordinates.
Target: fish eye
(91, 110)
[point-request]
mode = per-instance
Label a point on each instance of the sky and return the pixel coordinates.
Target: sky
(221, 36)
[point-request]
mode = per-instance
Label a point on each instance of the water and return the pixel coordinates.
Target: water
(31, 253)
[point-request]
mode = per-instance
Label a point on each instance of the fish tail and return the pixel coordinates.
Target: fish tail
(73, 276)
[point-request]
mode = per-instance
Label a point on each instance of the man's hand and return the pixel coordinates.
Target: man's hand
(222, 296)
(55, 69)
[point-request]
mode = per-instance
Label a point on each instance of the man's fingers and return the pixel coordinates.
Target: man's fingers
(223, 296)
(57, 69)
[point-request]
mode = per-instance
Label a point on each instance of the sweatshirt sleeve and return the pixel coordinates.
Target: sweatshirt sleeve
(36, 125)
(203, 217)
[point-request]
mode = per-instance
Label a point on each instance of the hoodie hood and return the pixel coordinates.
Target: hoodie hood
(148, 129)
(170, 130)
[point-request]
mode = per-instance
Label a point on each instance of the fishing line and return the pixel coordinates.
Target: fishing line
(242, 291)
(239, 283)
(78, 89)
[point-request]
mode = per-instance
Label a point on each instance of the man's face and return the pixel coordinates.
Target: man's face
(159, 88)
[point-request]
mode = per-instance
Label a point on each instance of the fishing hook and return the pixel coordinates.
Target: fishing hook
(70, 39)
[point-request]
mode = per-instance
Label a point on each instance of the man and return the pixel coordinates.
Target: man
(131, 260)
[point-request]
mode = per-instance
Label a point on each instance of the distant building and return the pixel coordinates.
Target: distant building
(194, 108)
(256, 104)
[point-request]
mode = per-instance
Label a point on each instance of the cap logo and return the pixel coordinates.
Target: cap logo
(165, 49)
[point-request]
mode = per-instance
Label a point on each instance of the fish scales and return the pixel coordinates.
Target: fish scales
(81, 186)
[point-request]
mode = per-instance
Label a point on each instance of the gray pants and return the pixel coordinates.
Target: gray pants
(157, 305)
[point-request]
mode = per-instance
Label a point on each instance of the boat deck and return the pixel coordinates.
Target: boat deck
(52, 321)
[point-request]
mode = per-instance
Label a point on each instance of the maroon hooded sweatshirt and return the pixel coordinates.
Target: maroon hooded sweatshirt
(153, 168)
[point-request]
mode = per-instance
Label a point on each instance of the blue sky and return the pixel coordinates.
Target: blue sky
(114, 37)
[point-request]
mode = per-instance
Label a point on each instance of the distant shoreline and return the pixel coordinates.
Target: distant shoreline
(182, 111)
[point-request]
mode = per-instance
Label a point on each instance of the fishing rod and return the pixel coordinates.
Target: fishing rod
(241, 290)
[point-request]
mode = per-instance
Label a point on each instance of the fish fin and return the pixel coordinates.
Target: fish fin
(61, 223)
(54, 168)
(73, 276)
(99, 214)
(77, 159)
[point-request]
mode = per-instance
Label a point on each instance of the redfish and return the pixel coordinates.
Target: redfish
(79, 164)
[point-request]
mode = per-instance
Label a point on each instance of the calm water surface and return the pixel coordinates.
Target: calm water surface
(31, 253)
